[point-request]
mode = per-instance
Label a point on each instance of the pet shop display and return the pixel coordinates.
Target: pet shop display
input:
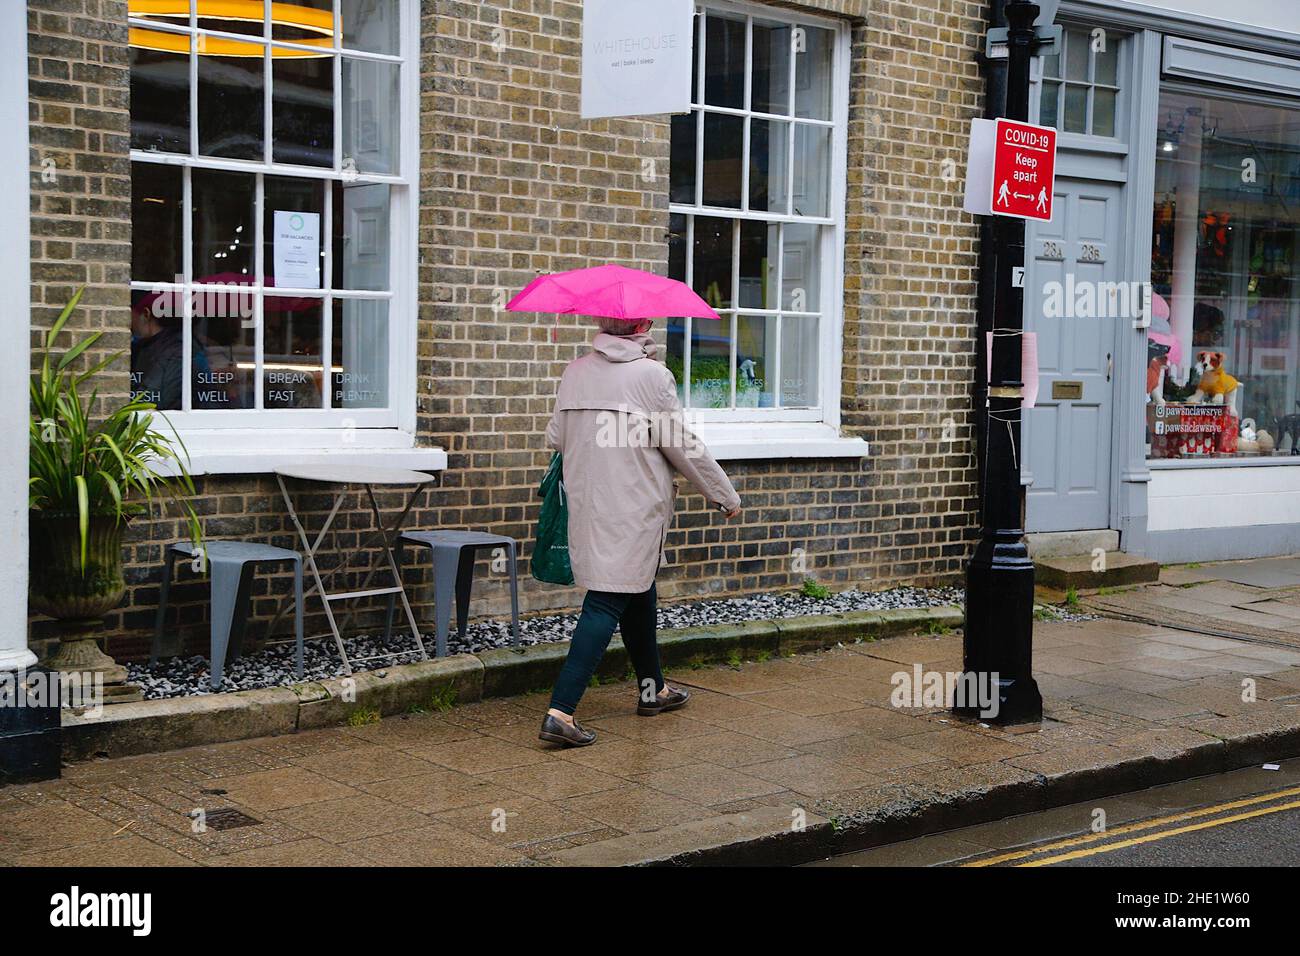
(1179, 430)
(1214, 384)
(1248, 439)
(1160, 332)
(1157, 363)
(1289, 425)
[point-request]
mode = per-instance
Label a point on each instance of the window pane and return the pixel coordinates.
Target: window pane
(370, 25)
(1225, 272)
(682, 165)
(1076, 55)
(813, 81)
(713, 238)
(711, 363)
(695, 60)
(225, 355)
(292, 361)
(758, 265)
(230, 100)
(1052, 65)
(371, 105)
(160, 98)
(812, 164)
(1076, 109)
(157, 347)
(156, 225)
(769, 156)
(755, 360)
(724, 140)
(1107, 63)
(771, 76)
(674, 358)
(304, 21)
(291, 231)
(724, 64)
(223, 225)
(361, 236)
(1103, 112)
(1049, 105)
(176, 12)
(801, 272)
(302, 117)
(677, 247)
(799, 351)
(360, 365)
(227, 17)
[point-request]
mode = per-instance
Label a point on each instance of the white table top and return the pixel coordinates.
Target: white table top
(355, 475)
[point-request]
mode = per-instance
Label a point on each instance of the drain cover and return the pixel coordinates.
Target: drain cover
(227, 819)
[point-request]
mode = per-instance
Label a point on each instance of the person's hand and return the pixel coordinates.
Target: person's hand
(734, 512)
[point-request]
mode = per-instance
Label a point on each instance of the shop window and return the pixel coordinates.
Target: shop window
(1223, 376)
(1080, 92)
(755, 225)
(267, 185)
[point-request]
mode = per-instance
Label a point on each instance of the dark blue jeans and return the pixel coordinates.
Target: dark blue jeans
(602, 611)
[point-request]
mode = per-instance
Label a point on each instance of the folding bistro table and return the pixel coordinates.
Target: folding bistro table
(344, 478)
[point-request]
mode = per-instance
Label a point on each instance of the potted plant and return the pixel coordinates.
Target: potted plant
(87, 480)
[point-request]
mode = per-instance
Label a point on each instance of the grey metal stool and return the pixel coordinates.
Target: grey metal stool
(453, 573)
(231, 565)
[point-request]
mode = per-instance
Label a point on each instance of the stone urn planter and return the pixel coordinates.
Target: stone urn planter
(92, 468)
(78, 597)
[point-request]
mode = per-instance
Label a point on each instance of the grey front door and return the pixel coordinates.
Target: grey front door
(1071, 300)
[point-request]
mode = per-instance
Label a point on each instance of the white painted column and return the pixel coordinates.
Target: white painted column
(1187, 230)
(15, 281)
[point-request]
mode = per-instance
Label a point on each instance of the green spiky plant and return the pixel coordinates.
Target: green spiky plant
(89, 476)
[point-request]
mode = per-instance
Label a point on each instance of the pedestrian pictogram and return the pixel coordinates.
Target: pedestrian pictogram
(1024, 170)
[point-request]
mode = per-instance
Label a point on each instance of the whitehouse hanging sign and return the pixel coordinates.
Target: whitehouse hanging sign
(636, 57)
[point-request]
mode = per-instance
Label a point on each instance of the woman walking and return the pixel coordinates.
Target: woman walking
(619, 426)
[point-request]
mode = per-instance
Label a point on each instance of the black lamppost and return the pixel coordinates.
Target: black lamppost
(998, 643)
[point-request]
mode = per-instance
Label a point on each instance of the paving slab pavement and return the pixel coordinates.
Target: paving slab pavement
(1246, 599)
(777, 760)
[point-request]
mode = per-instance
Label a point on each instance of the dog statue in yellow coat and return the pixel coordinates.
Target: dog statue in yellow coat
(1214, 384)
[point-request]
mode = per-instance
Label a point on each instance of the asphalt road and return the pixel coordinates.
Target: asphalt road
(1247, 818)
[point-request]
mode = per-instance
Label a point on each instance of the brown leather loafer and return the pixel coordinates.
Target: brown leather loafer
(556, 731)
(675, 698)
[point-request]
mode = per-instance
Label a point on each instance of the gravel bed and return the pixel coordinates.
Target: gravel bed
(273, 667)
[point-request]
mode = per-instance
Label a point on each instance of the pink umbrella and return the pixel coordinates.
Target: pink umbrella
(613, 292)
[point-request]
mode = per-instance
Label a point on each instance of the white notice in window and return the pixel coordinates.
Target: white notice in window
(296, 250)
(636, 57)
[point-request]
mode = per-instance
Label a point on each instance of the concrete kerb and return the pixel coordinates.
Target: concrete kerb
(154, 726)
(910, 816)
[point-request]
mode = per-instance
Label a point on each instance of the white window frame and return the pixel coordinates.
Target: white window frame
(778, 432)
(245, 440)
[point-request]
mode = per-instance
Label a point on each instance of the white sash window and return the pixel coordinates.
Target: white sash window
(273, 251)
(757, 216)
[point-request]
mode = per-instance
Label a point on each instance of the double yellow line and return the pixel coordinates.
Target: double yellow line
(1082, 842)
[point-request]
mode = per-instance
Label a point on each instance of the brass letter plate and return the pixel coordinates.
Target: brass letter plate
(1067, 391)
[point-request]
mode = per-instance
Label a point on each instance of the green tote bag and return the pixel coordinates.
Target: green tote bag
(551, 549)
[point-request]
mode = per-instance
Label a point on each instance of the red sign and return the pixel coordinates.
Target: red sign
(1024, 170)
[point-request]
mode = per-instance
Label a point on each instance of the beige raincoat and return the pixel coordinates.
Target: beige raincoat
(619, 425)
